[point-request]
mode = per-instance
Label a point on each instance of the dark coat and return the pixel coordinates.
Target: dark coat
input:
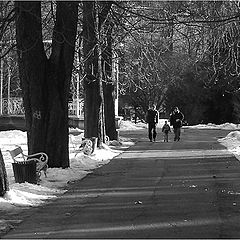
(152, 116)
(166, 128)
(176, 119)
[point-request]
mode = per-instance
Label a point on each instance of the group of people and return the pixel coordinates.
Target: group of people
(176, 119)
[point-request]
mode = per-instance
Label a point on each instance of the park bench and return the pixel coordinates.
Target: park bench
(41, 160)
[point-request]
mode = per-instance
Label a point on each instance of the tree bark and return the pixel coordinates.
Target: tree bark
(102, 128)
(46, 82)
(108, 86)
(92, 97)
(61, 64)
(4, 184)
(93, 19)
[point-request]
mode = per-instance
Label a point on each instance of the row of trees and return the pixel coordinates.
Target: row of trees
(183, 53)
(76, 30)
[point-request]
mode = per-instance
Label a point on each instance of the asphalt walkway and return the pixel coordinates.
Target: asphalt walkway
(186, 189)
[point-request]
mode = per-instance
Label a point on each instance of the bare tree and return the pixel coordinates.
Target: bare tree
(197, 39)
(46, 81)
(94, 16)
(108, 83)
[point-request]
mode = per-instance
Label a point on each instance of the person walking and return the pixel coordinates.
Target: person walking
(166, 129)
(176, 119)
(152, 120)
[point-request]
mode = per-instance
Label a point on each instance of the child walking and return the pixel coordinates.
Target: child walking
(166, 129)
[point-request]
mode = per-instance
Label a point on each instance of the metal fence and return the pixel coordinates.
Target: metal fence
(75, 108)
(14, 106)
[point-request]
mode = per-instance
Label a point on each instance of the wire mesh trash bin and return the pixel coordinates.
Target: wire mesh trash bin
(25, 171)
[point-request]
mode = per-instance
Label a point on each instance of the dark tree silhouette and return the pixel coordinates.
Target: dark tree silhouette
(4, 185)
(109, 84)
(94, 17)
(46, 81)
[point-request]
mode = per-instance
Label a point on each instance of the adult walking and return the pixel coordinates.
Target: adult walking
(152, 120)
(176, 119)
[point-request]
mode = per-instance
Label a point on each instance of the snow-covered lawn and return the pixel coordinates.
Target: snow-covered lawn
(225, 126)
(27, 195)
(231, 141)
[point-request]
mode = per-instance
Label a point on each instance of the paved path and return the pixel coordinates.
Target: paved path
(186, 189)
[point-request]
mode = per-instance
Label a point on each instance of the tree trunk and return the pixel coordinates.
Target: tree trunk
(92, 97)
(109, 97)
(93, 92)
(46, 82)
(4, 184)
(61, 64)
(102, 129)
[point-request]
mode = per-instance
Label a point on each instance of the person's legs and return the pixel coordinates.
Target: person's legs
(178, 132)
(154, 132)
(150, 131)
(175, 133)
(166, 137)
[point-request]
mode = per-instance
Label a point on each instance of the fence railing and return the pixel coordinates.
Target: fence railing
(14, 106)
(75, 108)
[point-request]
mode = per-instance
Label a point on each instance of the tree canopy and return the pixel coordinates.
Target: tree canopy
(193, 45)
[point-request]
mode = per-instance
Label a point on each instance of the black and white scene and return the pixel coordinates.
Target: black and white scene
(120, 119)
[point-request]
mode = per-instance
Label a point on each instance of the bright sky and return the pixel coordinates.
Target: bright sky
(27, 195)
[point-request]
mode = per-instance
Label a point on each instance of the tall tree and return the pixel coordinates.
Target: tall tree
(201, 36)
(92, 98)
(46, 81)
(109, 84)
(94, 15)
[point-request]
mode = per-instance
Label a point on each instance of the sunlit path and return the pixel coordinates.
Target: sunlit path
(186, 189)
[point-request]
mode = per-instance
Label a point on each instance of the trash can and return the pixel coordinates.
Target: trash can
(25, 172)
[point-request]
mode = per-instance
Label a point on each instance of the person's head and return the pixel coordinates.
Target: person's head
(152, 106)
(176, 109)
(166, 122)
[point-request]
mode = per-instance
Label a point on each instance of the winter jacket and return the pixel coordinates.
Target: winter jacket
(176, 119)
(166, 128)
(152, 116)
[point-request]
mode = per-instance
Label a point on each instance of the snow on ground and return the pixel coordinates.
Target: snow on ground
(127, 125)
(28, 195)
(225, 126)
(232, 143)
